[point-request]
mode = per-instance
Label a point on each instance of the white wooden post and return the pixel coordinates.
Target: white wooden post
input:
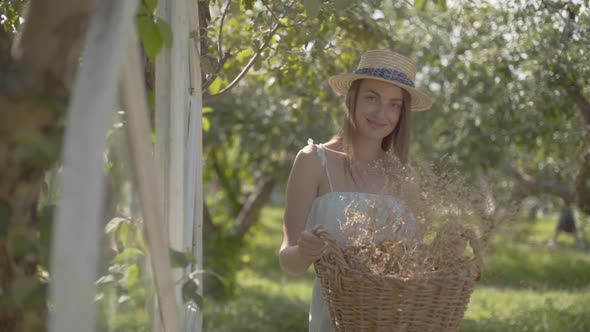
(77, 233)
(144, 170)
(172, 91)
(194, 179)
(162, 115)
(162, 124)
(179, 90)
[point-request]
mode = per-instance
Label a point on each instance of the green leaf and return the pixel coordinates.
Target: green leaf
(442, 4)
(206, 124)
(234, 7)
(128, 255)
(244, 55)
(180, 259)
(140, 240)
(132, 275)
(312, 8)
(113, 225)
(165, 31)
(215, 86)
(124, 234)
(420, 4)
(151, 37)
(190, 292)
(151, 5)
(248, 4)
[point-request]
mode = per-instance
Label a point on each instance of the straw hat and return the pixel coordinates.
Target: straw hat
(386, 66)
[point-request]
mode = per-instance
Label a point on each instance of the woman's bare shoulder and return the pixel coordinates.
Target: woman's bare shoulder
(308, 159)
(305, 175)
(335, 148)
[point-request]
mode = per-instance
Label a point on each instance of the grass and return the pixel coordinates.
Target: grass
(526, 286)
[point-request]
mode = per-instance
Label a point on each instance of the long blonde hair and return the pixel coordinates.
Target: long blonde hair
(399, 138)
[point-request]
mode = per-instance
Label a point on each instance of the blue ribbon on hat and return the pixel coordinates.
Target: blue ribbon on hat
(387, 74)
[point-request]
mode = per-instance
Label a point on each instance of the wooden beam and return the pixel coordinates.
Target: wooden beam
(194, 166)
(162, 115)
(179, 91)
(172, 94)
(162, 124)
(144, 170)
(76, 236)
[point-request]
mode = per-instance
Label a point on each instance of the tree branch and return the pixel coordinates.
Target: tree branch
(223, 57)
(208, 225)
(220, 35)
(249, 65)
(233, 195)
(575, 92)
(544, 185)
(271, 11)
(583, 184)
(250, 212)
(220, 61)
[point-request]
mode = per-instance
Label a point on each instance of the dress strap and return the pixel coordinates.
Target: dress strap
(322, 154)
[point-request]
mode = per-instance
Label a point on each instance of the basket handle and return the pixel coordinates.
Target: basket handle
(477, 252)
(332, 246)
(473, 242)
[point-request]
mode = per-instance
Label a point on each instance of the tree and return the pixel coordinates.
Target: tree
(511, 78)
(36, 70)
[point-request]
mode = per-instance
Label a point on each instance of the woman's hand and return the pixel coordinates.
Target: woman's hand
(310, 246)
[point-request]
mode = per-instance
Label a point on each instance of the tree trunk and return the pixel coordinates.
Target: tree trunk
(224, 248)
(250, 212)
(208, 226)
(574, 91)
(583, 177)
(35, 78)
(583, 184)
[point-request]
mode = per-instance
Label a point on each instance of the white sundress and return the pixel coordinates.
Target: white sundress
(329, 210)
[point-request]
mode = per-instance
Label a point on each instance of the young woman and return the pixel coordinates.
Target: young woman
(326, 178)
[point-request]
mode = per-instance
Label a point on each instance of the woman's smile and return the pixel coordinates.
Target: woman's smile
(375, 124)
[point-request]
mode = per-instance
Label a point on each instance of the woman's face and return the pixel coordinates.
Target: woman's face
(378, 108)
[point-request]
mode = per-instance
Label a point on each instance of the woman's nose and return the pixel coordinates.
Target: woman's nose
(380, 108)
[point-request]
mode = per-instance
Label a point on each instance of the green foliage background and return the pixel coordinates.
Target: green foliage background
(503, 75)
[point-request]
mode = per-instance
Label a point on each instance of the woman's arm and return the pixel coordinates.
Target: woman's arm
(300, 248)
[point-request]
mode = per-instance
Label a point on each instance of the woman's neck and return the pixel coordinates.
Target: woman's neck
(366, 149)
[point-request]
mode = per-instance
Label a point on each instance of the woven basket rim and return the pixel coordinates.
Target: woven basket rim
(473, 261)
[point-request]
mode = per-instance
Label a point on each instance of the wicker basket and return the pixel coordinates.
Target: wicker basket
(360, 301)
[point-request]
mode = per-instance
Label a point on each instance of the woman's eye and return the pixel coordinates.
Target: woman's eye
(371, 99)
(396, 106)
